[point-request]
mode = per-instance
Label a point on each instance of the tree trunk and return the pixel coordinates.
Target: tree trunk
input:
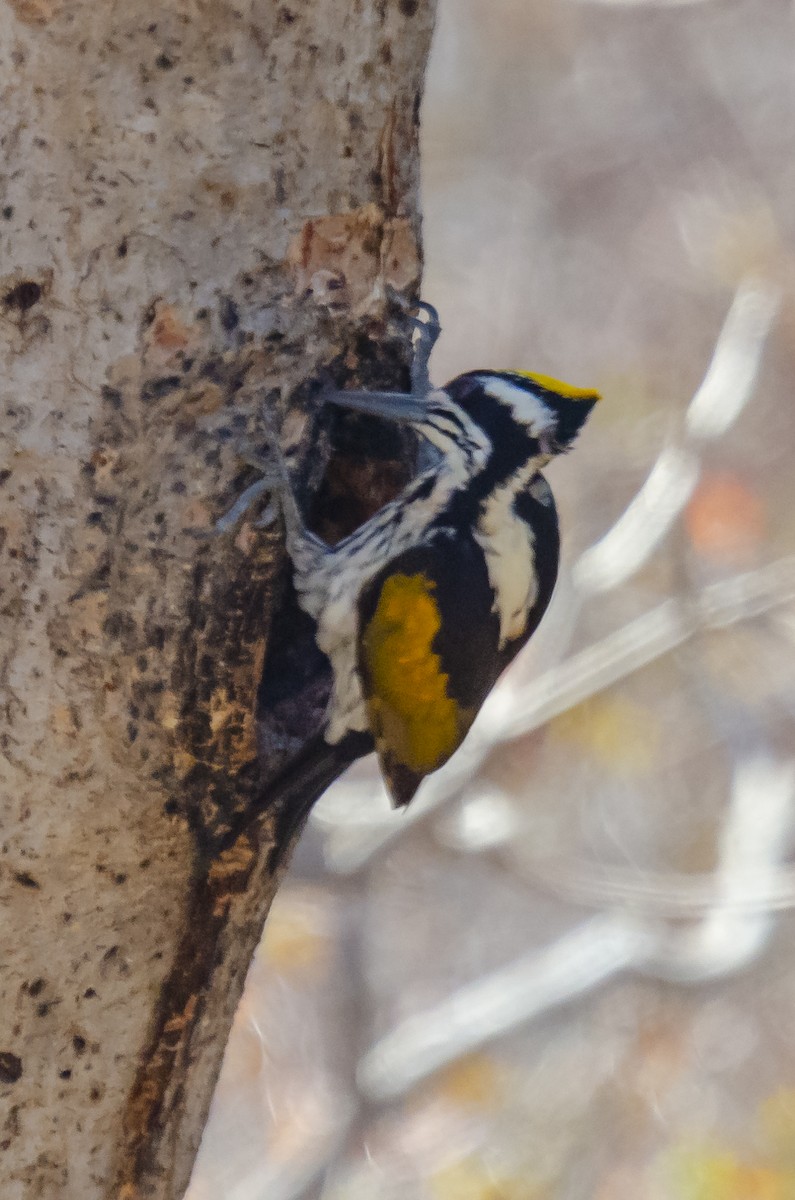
(202, 208)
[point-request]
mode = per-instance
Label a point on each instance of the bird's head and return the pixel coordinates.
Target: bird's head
(516, 406)
(500, 420)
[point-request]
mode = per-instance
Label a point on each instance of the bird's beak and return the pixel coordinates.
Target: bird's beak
(393, 406)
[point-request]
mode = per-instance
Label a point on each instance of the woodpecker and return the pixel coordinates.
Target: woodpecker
(420, 610)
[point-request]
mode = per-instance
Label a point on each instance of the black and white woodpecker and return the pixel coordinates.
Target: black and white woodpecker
(420, 610)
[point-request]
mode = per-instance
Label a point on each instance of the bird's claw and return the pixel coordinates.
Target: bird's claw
(427, 334)
(243, 504)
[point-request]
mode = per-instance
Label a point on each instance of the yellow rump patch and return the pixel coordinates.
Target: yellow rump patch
(410, 710)
(567, 390)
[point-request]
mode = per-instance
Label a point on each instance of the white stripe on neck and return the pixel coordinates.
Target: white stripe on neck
(509, 547)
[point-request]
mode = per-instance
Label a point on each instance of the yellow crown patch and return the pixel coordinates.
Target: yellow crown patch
(567, 390)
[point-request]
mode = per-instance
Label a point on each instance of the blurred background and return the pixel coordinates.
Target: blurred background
(567, 972)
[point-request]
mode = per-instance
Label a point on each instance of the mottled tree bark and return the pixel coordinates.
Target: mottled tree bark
(202, 208)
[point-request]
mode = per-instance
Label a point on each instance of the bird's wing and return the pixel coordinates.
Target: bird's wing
(428, 657)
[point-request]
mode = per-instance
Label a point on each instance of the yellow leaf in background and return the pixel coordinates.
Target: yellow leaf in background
(720, 1175)
(297, 937)
(777, 1121)
(471, 1179)
(475, 1081)
(621, 736)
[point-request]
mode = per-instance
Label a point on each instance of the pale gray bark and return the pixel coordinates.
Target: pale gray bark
(200, 206)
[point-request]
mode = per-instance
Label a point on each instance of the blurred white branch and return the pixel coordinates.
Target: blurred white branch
(731, 377)
(726, 389)
(724, 941)
(491, 1006)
